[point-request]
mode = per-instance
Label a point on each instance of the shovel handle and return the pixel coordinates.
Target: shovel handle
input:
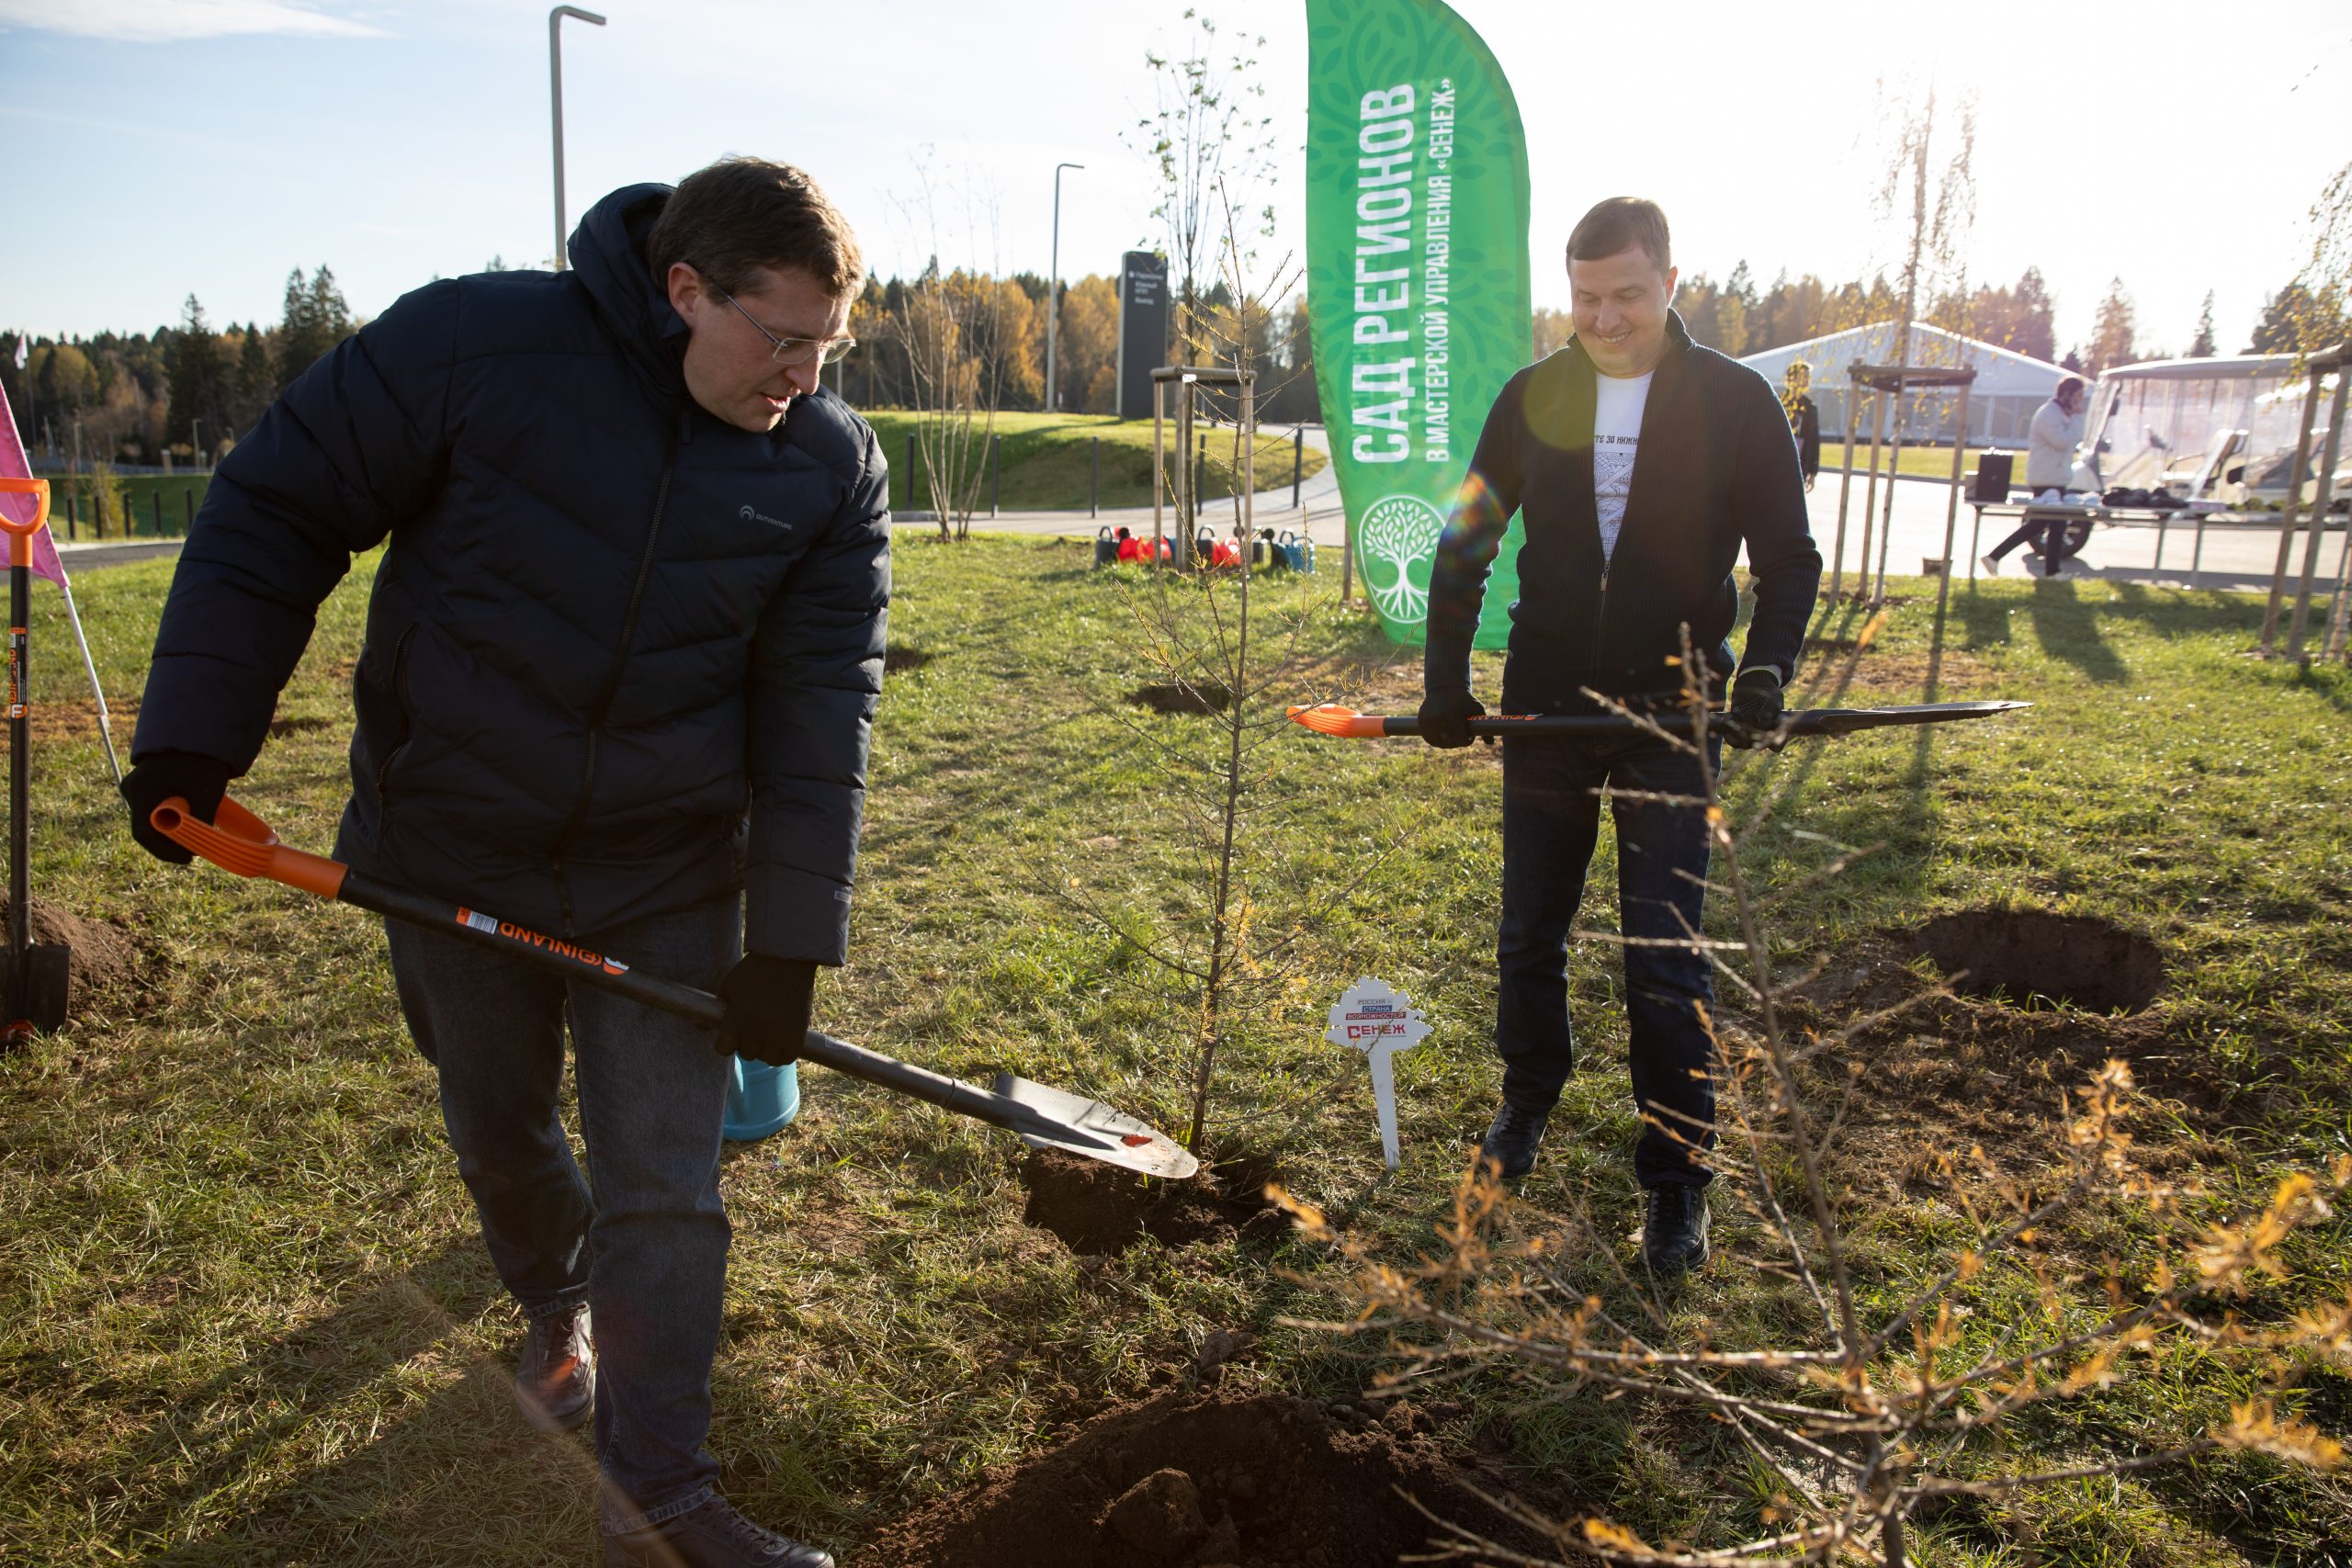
(238, 841)
(20, 533)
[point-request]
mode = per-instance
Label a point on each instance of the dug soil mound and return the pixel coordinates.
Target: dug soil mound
(1191, 1481)
(114, 969)
(1097, 1208)
(2021, 954)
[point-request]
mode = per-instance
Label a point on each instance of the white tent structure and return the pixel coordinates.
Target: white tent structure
(2001, 400)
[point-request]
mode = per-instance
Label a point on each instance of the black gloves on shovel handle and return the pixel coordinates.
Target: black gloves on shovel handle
(156, 778)
(767, 1009)
(1445, 718)
(1756, 708)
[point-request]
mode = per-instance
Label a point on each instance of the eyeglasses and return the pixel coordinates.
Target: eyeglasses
(794, 351)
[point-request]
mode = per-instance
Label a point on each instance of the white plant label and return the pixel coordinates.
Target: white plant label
(1378, 1021)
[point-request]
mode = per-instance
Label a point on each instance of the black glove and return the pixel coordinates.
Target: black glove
(767, 1007)
(1755, 711)
(160, 775)
(1445, 718)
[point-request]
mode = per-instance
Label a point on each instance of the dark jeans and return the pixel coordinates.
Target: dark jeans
(643, 1237)
(2044, 534)
(1551, 821)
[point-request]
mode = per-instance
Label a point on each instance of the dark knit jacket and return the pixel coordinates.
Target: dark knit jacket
(621, 657)
(1716, 469)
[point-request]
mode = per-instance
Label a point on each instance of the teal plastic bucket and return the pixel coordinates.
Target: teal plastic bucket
(760, 1100)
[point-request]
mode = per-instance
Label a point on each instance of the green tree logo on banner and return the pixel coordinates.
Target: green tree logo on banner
(1417, 213)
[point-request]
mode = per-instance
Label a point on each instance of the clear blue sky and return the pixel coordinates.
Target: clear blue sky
(209, 146)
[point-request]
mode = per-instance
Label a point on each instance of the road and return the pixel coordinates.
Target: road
(79, 559)
(2239, 556)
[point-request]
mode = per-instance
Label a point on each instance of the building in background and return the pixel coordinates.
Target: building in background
(2009, 387)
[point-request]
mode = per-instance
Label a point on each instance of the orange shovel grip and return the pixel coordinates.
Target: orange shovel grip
(237, 841)
(1329, 719)
(20, 534)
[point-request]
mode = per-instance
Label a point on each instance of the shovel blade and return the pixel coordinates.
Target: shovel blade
(39, 985)
(1098, 1132)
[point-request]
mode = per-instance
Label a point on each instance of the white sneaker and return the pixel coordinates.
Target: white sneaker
(1992, 565)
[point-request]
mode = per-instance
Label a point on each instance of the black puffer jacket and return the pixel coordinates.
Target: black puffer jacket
(1716, 471)
(608, 627)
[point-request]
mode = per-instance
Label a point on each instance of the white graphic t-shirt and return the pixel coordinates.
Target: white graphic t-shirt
(1616, 436)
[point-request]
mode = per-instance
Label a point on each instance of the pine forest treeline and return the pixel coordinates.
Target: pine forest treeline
(138, 395)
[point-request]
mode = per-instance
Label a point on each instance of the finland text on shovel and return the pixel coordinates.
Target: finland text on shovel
(237, 841)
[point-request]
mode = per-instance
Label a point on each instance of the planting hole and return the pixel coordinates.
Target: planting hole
(1098, 1208)
(1188, 1480)
(898, 657)
(2021, 954)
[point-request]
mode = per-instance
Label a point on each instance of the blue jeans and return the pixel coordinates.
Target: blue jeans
(1551, 821)
(643, 1237)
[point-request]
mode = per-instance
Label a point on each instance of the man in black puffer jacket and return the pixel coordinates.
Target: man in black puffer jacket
(1642, 463)
(621, 663)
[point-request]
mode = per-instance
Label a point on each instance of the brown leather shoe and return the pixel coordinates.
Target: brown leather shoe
(555, 1380)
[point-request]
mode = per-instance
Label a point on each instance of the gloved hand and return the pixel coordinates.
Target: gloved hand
(1445, 718)
(767, 1007)
(1755, 711)
(160, 775)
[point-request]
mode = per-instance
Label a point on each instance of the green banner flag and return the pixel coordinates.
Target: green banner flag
(1416, 283)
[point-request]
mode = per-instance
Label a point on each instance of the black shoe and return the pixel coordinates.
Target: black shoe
(1510, 1140)
(713, 1536)
(555, 1380)
(1674, 1238)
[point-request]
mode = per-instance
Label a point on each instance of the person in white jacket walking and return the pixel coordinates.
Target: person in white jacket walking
(2049, 468)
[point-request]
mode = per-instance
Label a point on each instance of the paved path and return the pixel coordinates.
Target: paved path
(81, 558)
(2238, 557)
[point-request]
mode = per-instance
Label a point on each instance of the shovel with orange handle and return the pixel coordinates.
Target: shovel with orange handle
(237, 841)
(38, 973)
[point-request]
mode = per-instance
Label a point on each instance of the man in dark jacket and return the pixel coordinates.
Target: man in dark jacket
(621, 662)
(1642, 463)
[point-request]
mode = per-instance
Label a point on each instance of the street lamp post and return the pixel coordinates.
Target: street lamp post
(1054, 286)
(555, 102)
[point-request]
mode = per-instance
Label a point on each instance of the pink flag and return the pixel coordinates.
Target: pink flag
(15, 465)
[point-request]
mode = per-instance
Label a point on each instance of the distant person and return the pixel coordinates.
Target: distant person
(1642, 463)
(2048, 469)
(1804, 420)
(622, 657)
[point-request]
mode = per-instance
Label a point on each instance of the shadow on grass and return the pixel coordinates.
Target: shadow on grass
(2068, 629)
(248, 1416)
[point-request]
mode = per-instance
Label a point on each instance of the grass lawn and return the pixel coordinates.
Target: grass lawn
(1933, 462)
(245, 1316)
(1048, 461)
(161, 505)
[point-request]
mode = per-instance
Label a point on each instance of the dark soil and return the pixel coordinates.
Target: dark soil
(1193, 1481)
(113, 969)
(898, 657)
(2020, 954)
(1098, 1208)
(297, 726)
(1196, 696)
(1953, 1073)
